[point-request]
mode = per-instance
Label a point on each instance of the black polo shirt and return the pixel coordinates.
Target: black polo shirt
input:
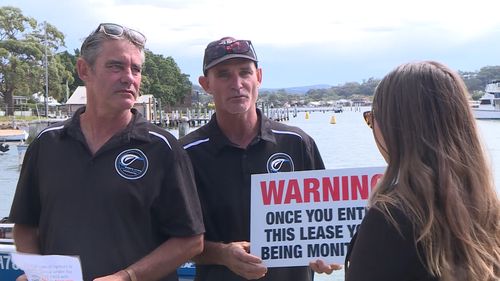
(111, 208)
(223, 178)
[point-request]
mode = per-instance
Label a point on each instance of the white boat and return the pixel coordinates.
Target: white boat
(489, 103)
(13, 135)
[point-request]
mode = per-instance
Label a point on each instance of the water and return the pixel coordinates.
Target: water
(349, 143)
(346, 144)
(9, 172)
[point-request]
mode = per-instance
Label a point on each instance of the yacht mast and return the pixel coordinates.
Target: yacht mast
(46, 74)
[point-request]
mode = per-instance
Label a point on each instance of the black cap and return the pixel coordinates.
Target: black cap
(227, 48)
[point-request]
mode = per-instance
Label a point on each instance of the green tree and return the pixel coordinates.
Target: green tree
(162, 78)
(367, 88)
(23, 45)
(71, 80)
(476, 81)
(488, 73)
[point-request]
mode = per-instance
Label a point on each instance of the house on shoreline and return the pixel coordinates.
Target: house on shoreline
(145, 104)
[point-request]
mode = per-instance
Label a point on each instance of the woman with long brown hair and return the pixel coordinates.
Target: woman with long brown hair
(435, 214)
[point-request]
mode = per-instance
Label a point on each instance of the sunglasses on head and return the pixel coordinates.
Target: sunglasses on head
(118, 31)
(368, 116)
(236, 47)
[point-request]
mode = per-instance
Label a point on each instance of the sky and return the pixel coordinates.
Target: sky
(298, 43)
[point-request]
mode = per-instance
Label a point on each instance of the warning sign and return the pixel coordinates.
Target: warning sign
(298, 217)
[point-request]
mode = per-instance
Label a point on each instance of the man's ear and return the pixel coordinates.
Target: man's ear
(259, 76)
(83, 69)
(203, 80)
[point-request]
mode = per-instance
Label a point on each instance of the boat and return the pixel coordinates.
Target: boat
(489, 104)
(13, 135)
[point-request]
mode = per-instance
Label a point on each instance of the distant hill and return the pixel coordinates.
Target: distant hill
(292, 90)
(198, 88)
(297, 90)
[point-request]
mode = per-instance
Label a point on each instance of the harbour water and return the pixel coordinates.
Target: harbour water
(347, 143)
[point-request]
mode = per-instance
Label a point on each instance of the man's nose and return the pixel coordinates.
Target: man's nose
(127, 76)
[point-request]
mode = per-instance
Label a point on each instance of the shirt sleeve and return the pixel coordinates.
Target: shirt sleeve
(315, 162)
(381, 252)
(179, 196)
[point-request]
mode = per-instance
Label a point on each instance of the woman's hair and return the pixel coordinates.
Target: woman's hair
(437, 171)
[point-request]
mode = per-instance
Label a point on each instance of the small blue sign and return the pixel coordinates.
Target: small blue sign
(8, 270)
(187, 269)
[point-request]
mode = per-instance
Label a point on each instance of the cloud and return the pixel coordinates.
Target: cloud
(296, 39)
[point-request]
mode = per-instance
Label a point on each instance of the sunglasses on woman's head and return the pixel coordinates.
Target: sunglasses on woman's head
(368, 115)
(116, 30)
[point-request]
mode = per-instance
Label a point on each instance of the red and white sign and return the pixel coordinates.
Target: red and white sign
(298, 217)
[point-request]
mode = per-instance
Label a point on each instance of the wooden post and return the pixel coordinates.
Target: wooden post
(183, 126)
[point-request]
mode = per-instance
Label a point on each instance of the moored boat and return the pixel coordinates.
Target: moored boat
(489, 103)
(13, 135)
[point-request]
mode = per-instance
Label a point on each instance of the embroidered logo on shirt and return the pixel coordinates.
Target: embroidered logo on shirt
(280, 162)
(131, 164)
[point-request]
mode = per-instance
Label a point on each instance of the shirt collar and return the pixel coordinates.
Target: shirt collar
(221, 141)
(136, 129)
(266, 132)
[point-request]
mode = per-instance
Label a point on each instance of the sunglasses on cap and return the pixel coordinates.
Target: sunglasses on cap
(368, 116)
(118, 31)
(217, 51)
(236, 47)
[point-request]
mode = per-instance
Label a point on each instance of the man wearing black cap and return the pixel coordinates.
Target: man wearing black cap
(237, 142)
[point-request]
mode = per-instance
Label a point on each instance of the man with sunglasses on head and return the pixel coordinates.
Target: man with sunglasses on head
(107, 185)
(237, 142)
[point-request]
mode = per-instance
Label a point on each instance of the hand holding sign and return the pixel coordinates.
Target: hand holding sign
(236, 257)
(22, 278)
(319, 266)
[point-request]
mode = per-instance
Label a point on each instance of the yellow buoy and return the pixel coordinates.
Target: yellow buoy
(307, 114)
(332, 120)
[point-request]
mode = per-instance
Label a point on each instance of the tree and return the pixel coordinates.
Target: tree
(71, 80)
(488, 73)
(476, 81)
(23, 45)
(162, 78)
